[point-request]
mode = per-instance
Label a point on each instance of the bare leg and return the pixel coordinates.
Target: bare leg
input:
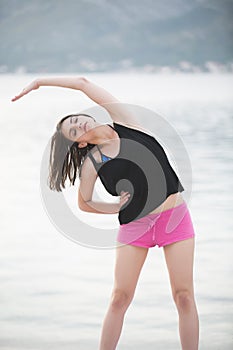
(129, 261)
(179, 259)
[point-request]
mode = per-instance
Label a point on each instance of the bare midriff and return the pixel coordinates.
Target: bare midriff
(172, 201)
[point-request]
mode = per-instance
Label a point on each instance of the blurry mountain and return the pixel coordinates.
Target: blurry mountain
(102, 35)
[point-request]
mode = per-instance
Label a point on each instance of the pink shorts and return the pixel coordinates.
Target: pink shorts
(169, 226)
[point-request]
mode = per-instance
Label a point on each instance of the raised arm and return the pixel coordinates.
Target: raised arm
(117, 110)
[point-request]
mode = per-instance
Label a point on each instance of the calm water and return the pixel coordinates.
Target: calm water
(54, 293)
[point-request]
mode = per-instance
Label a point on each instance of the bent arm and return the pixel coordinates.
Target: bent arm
(117, 110)
(91, 206)
(85, 193)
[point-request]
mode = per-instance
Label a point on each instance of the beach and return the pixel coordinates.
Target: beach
(55, 292)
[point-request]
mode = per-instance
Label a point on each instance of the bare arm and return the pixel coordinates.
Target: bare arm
(97, 207)
(65, 82)
(117, 110)
(85, 193)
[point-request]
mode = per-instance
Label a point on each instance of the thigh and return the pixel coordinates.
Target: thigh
(129, 262)
(179, 259)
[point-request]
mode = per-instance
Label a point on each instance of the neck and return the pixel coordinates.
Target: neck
(98, 135)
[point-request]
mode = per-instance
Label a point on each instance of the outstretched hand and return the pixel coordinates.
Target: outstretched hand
(32, 86)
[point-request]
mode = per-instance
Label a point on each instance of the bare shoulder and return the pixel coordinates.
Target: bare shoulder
(121, 113)
(88, 166)
(87, 181)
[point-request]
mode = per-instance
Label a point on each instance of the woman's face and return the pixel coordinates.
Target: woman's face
(75, 126)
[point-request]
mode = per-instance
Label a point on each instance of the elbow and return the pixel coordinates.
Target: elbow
(85, 80)
(85, 209)
(83, 206)
(82, 82)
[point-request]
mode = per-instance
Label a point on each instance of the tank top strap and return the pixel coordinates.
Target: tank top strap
(111, 127)
(101, 154)
(94, 162)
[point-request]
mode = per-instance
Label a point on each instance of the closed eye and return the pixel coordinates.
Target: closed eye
(72, 121)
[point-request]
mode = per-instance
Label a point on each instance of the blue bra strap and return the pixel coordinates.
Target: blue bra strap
(104, 158)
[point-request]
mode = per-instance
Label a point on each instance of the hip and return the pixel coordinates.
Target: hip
(172, 201)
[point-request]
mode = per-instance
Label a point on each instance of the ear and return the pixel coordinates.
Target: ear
(82, 144)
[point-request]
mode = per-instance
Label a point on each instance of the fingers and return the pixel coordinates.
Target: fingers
(32, 86)
(17, 97)
(24, 92)
(124, 197)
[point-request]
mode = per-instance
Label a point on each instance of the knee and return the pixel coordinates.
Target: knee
(183, 299)
(120, 300)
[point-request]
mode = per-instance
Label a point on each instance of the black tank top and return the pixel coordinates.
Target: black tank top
(140, 168)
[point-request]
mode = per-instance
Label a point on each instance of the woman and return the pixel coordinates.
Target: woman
(132, 165)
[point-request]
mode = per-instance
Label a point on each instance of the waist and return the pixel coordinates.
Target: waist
(172, 201)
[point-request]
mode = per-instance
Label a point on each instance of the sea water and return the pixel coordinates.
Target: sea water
(54, 292)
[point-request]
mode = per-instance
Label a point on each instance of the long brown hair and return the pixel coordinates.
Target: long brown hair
(66, 158)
